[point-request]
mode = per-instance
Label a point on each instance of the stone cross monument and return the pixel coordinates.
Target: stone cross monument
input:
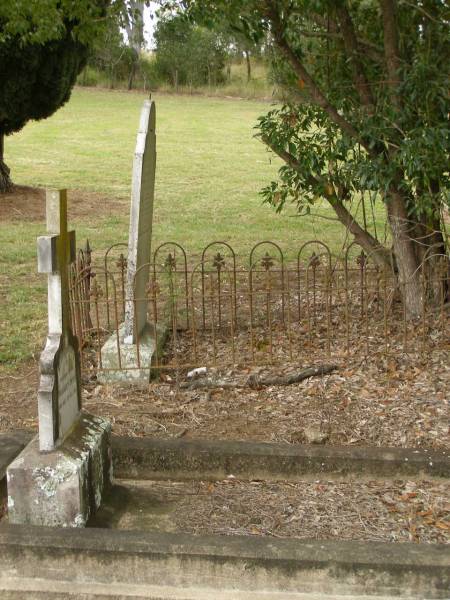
(59, 478)
(59, 396)
(141, 215)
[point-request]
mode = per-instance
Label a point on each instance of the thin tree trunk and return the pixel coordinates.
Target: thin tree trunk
(249, 65)
(5, 181)
(377, 252)
(433, 256)
(131, 76)
(391, 52)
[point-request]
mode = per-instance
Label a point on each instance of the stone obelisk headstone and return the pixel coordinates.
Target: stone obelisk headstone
(138, 339)
(141, 215)
(59, 478)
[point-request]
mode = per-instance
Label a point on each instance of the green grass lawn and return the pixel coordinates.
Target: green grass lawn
(210, 169)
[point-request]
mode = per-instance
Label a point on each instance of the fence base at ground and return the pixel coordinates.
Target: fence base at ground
(131, 363)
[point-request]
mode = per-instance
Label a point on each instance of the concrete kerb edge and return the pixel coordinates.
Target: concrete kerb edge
(233, 562)
(145, 458)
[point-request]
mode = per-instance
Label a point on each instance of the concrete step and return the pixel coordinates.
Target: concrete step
(39, 589)
(218, 567)
(147, 458)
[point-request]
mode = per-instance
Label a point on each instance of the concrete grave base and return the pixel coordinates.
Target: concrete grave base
(151, 341)
(117, 564)
(123, 564)
(213, 460)
(62, 488)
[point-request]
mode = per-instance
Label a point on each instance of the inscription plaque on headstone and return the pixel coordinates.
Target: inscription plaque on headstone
(67, 389)
(59, 395)
(141, 215)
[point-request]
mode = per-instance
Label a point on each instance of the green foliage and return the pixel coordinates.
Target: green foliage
(187, 54)
(28, 22)
(43, 47)
(107, 56)
(291, 128)
(37, 79)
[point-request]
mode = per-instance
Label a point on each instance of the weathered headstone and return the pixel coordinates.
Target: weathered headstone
(141, 216)
(134, 364)
(59, 478)
(59, 396)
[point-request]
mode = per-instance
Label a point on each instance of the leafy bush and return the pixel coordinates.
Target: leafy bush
(187, 54)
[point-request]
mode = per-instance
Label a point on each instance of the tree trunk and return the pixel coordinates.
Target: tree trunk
(433, 257)
(249, 65)
(407, 262)
(5, 181)
(111, 78)
(131, 76)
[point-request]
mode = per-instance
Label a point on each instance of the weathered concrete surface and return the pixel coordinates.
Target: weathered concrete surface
(151, 340)
(141, 458)
(11, 444)
(224, 564)
(13, 588)
(147, 458)
(64, 487)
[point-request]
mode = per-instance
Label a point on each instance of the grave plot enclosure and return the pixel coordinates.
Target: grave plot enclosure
(273, 306)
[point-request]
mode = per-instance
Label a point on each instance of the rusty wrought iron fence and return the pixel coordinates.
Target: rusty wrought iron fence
(222, 311)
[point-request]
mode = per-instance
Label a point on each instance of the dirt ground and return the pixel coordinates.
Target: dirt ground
(347, 407)
(403, 403)
(397, 511)
(28, 204)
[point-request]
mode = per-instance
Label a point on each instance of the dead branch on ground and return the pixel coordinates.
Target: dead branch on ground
(256, 381)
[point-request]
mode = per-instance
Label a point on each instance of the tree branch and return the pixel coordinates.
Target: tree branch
(371, 245)
(389, 10)
(375, 52)
(370, 49)
(421, 10)
(353, 52)
(317, 95)
(257, 381)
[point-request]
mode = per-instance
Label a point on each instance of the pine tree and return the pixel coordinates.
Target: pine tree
(39, 65)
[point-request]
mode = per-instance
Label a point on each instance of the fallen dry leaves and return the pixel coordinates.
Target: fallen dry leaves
(397, 511)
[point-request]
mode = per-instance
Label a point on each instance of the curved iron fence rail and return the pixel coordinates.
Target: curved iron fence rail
(221, 311)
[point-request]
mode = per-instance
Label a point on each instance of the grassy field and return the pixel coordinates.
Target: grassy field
(236, 85)
(210, 169)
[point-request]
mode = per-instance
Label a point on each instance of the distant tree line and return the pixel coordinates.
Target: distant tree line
(184, 54)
